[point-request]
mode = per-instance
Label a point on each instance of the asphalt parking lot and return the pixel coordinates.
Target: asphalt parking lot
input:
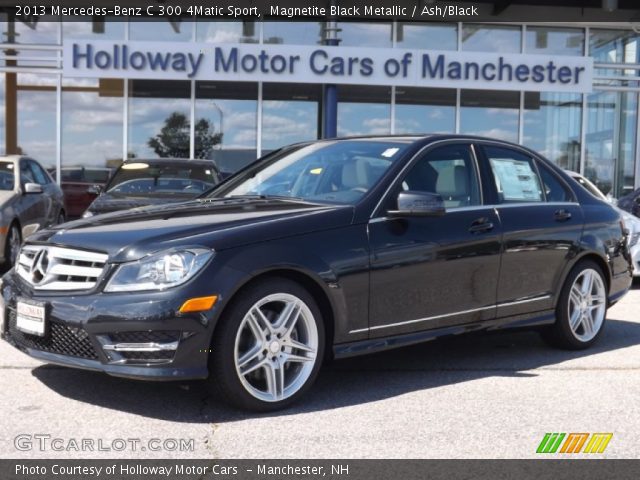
(480, 396)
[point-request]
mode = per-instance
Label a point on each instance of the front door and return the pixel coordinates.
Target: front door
(433, 272)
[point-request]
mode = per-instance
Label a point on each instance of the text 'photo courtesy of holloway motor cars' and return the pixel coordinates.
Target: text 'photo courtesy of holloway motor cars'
(322, 250)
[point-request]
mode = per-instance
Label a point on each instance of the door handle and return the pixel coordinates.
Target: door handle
(481, 225)
(562, 215)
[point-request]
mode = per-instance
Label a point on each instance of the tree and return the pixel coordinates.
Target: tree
(173, 139)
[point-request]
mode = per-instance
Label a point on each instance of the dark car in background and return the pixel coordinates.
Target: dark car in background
(142, 182)
(631, 202)
(81, 186)
(332, 248)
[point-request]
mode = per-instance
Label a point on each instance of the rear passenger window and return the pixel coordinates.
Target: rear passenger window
(554, 189)
(515, 175)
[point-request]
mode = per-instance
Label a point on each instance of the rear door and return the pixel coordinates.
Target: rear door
(542, 224)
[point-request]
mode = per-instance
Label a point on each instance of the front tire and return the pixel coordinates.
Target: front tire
(13, 244)
(268, 349)
(581, 309)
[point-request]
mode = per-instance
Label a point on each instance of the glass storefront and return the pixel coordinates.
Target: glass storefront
(66, 123)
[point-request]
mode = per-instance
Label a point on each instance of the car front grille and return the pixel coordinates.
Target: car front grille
(57, 268)
(60, 339)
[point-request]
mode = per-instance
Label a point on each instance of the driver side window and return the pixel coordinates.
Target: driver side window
(448, 171)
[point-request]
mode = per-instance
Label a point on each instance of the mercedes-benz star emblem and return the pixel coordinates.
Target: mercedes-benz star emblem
(40, 267)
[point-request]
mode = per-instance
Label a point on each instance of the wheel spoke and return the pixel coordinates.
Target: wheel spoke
(587, 323)
(300, 346)
(254, 367)
(576, 318)
(275, 379)
(291, 358)
(288, 318)
(259, 324)
(587, 283)
(251, 355)
(575, 296)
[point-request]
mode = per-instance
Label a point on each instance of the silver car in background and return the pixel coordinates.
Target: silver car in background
(630, 221)
(29, 201)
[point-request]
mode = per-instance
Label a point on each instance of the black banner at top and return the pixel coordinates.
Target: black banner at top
(563, 11)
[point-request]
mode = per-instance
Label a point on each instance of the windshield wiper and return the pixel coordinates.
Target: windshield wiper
(268, 197)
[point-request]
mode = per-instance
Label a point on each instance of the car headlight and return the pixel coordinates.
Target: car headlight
(159, 271)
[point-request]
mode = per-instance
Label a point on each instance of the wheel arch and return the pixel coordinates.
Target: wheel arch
(312, 285)
(587, 255)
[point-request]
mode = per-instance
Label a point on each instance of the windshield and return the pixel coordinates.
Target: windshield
(334, 172)
(142, 178)
(7, 177)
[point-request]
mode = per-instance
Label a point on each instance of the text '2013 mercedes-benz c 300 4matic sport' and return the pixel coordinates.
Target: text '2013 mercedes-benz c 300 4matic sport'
(322, 250)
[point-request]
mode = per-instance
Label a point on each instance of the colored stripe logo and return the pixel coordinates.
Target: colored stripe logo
(574, 443)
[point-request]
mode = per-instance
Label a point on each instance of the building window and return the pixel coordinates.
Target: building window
(491, 38)
(427, 36)
(555, 41)
(614, 46)
(84, 28)
(36, 118)
(169, 29)
(611, 140)
(425, 110)
(289, 114)
(228, 32)
(230, 110)
(292, 33)
(159, 113)
(356, 34)
(92, 122)
(552, 124)
(490, 114)
(3, 147)
(364, 110)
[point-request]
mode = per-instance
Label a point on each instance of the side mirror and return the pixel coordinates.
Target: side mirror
(32, 188)
(418, 204)
(95, 189)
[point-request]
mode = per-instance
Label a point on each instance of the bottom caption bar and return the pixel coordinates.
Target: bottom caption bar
(13, 469)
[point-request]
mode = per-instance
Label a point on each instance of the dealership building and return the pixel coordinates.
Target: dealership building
(90, 93)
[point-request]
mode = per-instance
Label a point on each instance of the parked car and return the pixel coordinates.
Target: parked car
(631, 222)
(141, 182)
(29, 200)
(375, 243)
(631, 202)
(81, 186)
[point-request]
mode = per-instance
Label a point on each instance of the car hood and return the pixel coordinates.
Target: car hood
(107, 202)
(215, 223)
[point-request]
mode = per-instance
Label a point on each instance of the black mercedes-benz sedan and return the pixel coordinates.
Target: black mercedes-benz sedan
(325, 249)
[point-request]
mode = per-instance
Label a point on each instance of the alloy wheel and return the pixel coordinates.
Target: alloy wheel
(587, 305)
(276, 347)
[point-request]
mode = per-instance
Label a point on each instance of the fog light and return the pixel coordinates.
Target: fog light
(199, 304)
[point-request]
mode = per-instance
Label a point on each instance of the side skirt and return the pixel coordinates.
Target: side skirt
(373, 345)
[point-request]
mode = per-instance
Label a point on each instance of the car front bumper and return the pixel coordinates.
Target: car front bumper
(134, 335)
(635, 259)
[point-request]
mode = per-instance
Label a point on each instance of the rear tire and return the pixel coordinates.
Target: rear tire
(268, 348)
(581, 309)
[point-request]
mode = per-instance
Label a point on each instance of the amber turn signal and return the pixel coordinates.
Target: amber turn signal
(198, 304)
